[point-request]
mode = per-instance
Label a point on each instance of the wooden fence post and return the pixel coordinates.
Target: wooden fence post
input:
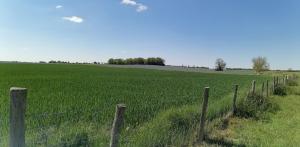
(18, 98)
(274, 84)
(263, 88)
(253, 87)
(203, 115)
(236, 87)
(117, 125)
(267, 88)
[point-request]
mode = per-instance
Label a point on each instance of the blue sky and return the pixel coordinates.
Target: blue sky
(190, 32)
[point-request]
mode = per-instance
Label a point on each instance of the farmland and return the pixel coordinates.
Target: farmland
(66, 102)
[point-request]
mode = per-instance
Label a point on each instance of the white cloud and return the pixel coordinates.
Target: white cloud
(58, 6)
(139, 6)
(129, 2)
(75, 19)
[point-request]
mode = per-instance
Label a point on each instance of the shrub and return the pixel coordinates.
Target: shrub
(280, 90)
(255, 105)
(292, 83)
(80, 140)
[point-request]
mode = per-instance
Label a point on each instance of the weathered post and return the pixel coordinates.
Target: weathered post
(267, 88)
(263, 88)
(274, 84)
(285, 80)
(277, 82)
(117, 125)
(236, 87)
(18, 98)
(203, 115)
(253, 87)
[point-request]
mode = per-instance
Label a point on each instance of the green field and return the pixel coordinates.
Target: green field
(67, 103)
(280, 129)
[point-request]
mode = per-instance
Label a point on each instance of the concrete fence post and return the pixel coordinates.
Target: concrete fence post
(117, 125)
(234, 109)
(253, 87)
(18, 98)
(203, 114)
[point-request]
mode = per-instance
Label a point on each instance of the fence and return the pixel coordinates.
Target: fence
(18, 97)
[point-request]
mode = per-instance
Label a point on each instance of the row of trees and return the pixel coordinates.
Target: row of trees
(139, 61)
(260, 64)
(57, 62)
(68, 62)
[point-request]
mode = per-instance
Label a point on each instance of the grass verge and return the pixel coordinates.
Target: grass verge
(273, 128)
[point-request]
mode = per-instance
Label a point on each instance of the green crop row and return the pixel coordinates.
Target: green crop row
(76, 103)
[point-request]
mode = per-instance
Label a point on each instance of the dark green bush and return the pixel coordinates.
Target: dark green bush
(80, 140)
(292, 83)
(280, 90)
(255, 105)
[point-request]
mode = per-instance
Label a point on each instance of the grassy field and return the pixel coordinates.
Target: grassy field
(281, 129)
(184, 69)
(73, 104)
(277, 126)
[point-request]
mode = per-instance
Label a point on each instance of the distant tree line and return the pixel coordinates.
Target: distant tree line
(68, 62)
(138, 61)
(59, 62)
(228, 68)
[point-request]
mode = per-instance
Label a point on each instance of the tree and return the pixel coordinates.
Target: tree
(151, 61)
(260, 64)
(52, 61)
(160, 61)
(129, 61)
(111, 61)
(138, 61)
(119, 61)
(220, 64)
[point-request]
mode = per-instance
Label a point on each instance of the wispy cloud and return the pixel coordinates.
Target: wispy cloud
(129, 2)
(59, 6)
(75, 19)
(139, 6)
